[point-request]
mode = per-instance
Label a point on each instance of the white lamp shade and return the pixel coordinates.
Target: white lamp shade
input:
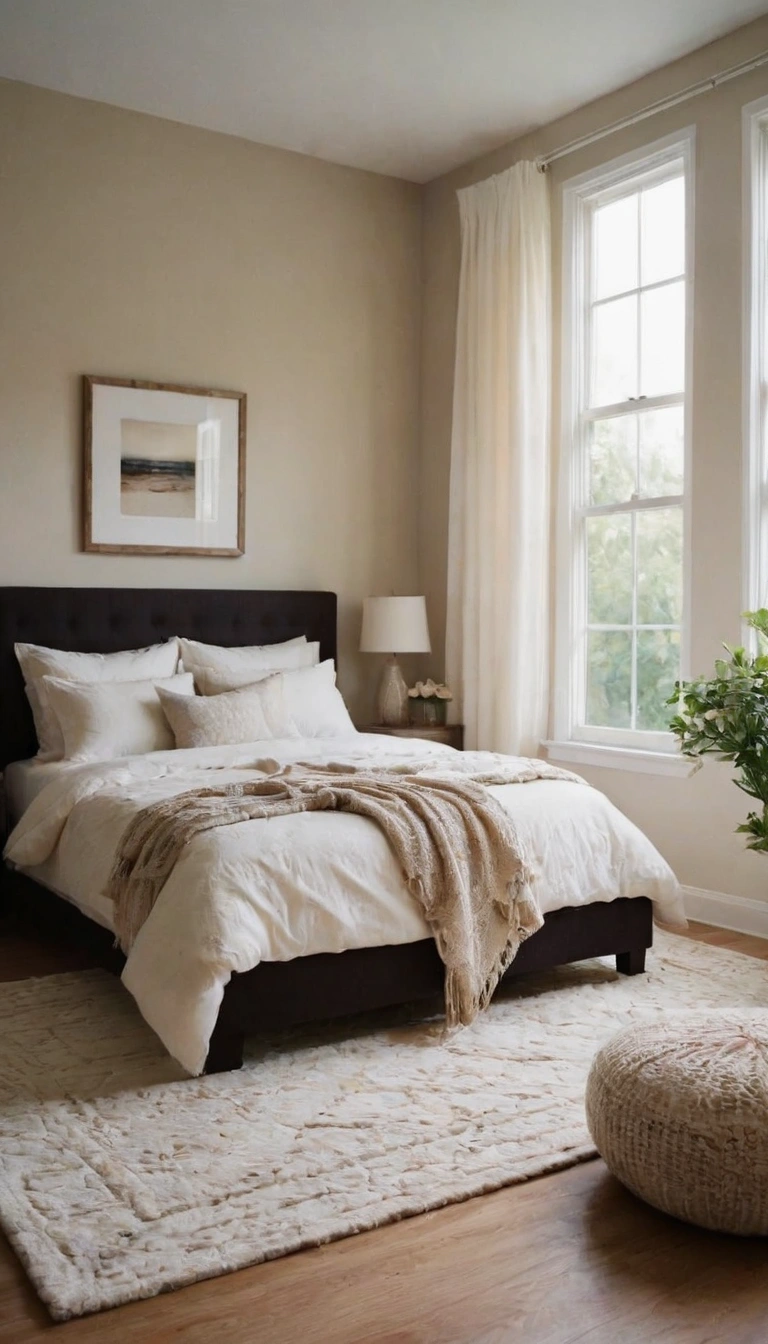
(395, 625)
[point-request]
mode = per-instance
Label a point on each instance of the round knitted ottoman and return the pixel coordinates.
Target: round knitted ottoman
(679, 1111)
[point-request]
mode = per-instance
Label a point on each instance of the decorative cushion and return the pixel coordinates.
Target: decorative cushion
(101, 720)
(250, 715)
(678, 1109)
(311, 697)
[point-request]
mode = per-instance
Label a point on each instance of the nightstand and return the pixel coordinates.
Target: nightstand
(452, 734)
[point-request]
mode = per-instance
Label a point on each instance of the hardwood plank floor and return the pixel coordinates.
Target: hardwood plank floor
(565, 1259)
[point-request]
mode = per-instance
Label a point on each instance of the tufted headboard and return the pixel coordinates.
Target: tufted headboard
(104, 620)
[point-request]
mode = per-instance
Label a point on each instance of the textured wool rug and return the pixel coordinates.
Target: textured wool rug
(120, 1179)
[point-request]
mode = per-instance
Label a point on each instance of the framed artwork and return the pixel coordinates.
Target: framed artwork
(164, 468)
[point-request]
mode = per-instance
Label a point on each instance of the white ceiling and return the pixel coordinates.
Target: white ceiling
(407, 87)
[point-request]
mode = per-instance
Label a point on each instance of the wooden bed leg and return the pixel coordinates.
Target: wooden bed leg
(631, 963)
(225, 1051)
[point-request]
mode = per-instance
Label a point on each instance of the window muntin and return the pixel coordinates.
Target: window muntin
(628, 361)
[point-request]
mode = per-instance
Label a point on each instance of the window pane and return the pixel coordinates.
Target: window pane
(659, 566)
(662, 340)
(658, 668)
(661, 452)
(609, 569)
(662, 231)
(609, 678)
(613, 460)
(616, 247)
(629, 305)
(614, 352)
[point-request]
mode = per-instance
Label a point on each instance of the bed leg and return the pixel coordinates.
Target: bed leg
(631, 963)
(225, 1051)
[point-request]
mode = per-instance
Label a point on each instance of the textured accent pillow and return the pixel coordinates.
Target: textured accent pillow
(250, 715)
(312, 700)
(36, 662)
(99, 721)
(255, 660)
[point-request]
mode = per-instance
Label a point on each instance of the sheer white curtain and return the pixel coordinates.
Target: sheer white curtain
(498, 548)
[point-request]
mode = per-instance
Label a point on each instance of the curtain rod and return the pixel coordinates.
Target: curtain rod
(692, 91)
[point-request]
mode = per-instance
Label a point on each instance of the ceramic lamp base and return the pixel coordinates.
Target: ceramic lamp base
(392, 703)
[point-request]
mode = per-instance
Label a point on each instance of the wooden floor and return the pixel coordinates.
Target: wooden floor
(566, 1258)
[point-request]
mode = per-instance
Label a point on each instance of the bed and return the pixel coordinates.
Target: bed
(274, 993)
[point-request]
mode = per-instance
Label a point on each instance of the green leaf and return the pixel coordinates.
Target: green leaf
(726, 716)
(758, 620)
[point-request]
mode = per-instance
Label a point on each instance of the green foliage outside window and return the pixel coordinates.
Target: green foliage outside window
(634, 570)
(726, 716)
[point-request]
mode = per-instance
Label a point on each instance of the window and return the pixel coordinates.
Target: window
(622, 542)
(756, 353)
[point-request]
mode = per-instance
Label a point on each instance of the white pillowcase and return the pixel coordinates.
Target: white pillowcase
(255, 660)
(102, 720)
(312, 700)
(36, 662)
(250, 715)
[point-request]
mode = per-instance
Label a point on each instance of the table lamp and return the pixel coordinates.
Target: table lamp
(394, 625)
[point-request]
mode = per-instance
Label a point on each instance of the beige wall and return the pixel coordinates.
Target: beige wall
(690, 820)
(136, 247)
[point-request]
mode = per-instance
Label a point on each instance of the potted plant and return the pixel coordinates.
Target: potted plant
(429, 702)
(727, 716)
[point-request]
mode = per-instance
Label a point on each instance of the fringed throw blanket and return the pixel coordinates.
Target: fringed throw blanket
(455, 843)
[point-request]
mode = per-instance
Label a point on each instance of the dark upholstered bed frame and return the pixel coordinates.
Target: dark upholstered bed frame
(274, 994)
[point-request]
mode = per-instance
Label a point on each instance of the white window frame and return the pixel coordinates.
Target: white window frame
(755, 215)
(652, 752)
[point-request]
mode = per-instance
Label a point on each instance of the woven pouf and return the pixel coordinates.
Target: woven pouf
(678, 1109)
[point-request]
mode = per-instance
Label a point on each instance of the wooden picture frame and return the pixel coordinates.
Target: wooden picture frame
(163, 468)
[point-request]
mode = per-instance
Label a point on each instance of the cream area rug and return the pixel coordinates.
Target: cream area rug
(120, 1178)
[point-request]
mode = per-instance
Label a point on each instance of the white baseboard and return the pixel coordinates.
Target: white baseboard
(738, 913)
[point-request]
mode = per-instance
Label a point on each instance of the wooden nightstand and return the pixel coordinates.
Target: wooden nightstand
(452, 734)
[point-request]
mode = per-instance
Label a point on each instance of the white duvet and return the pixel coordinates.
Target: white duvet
(297, 885)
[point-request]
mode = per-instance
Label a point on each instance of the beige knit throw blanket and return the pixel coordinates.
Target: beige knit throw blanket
(455, 843)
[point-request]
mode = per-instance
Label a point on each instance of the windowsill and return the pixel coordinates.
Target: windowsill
(621, 758)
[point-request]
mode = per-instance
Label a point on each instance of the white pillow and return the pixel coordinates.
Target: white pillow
(251, 715)
(101, 720)
(311, 698)
(255, 659)
(37, 662)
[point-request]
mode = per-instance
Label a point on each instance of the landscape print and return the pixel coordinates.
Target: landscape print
(157, 469)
